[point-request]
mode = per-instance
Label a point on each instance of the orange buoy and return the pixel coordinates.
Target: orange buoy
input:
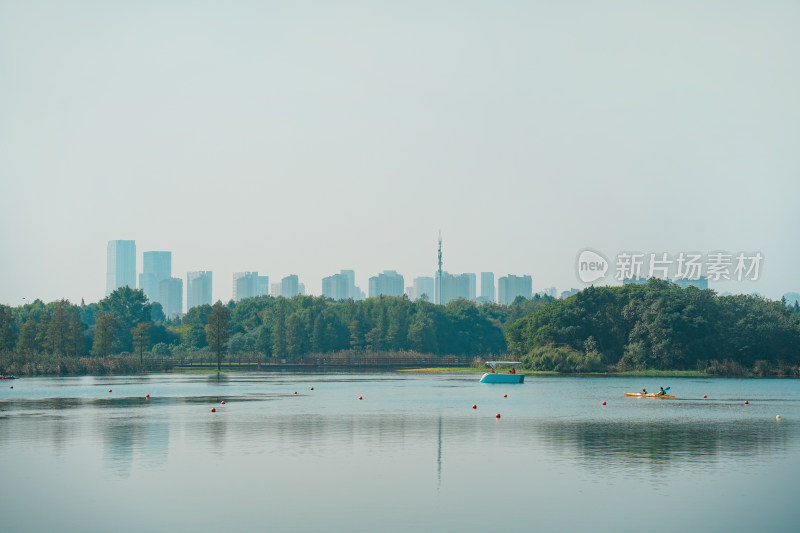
(604, 403)
(497, 415)
(474, 406)
(213, 409)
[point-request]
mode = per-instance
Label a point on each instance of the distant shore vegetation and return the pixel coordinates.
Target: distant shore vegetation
(631, 329)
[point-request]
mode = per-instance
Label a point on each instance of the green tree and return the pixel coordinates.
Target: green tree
(128, 307)
(104, 333)
(28, 335)
(75, 328)
(7, 328)
(218, 332)
(58, 328)
(141, 338)
(422, 334)
(279, 331)
(264, 340)
(296, 336)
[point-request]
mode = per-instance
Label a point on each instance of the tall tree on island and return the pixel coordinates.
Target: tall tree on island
(7, 333)
(105, 330)
(128, 307)
(218, 331)
(141, 338)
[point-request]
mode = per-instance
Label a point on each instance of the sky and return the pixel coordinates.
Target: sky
(308, 137)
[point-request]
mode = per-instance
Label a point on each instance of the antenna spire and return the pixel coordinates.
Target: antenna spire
(439, 295)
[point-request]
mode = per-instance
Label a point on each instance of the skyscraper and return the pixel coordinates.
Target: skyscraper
(275, 289)
(156, 267)
(509, 287)
(198, 288)
(389, 283)
(487, 287)
(341, 286)
(170, 296)
(249, 285)
(120, 265)
(336, 287)
(290, 286)
(423, 288)
(454, 286)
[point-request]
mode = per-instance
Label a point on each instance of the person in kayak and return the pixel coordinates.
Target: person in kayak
(662, 392)
(644, 391)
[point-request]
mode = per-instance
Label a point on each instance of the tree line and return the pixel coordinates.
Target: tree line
(125, 322)
(633, 327)
(660, 326)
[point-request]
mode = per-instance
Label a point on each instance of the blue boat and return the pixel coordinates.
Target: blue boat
(497, 377)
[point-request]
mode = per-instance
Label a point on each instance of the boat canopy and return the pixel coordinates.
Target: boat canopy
(493, 363)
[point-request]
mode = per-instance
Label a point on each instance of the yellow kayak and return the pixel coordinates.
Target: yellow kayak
(649, 395)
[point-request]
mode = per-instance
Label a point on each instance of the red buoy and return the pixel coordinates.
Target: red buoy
(746, 402)
(704, 396)
(505, 395)
(223, 402)
(312, 388)
(148, 396)
(360, 397)
(109, 390)
(604, 403)
(295, 392)
(474, 406)
(213, 409)
(497, 415)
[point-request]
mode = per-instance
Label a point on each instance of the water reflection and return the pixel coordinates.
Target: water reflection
(118, 439)
(623, 444)
(128, 440)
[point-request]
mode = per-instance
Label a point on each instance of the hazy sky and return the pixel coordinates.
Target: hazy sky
(308, 137)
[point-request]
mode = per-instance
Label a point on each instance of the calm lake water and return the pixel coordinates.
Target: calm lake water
(412, 455)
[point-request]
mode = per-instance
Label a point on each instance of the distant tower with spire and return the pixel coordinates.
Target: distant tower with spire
(439, 287)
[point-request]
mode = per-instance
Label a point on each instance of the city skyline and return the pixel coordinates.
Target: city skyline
(302, 139)
(156, 268)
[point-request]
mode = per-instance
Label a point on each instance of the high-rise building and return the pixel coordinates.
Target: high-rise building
(336, 287)
(275, 289)
(170, 296)
(355, 292)
(249, 285)
(700, 283)
(198, 288)
(510, 287)
(341, 286)
(454, 286)
(570, 292)
(262, 286)
(423, 288)
(156, 267)
(120, 265)
(389, 283)
(290, 286)
(487, 287)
